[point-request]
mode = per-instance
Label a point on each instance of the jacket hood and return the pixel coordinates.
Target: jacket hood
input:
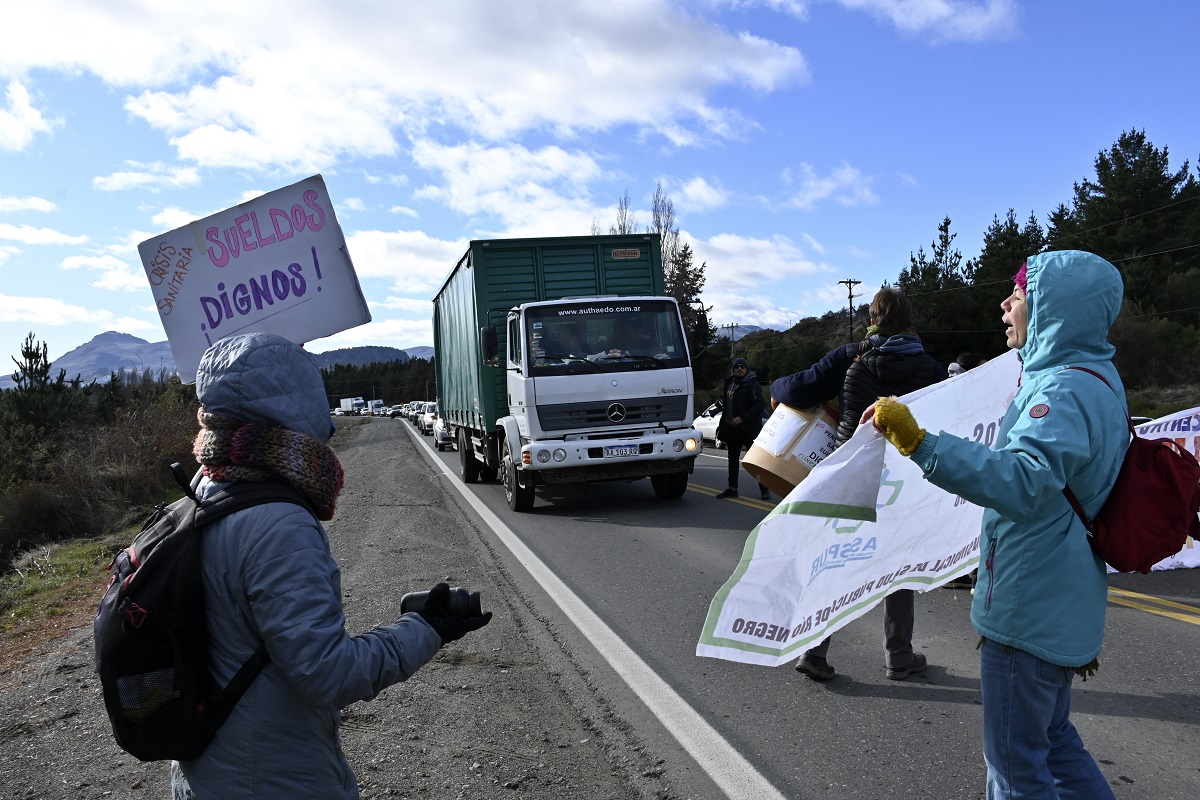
(1073, 299)
(899, 343)
(264, 378)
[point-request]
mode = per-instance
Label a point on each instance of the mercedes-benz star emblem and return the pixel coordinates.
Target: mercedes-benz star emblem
(616, 412)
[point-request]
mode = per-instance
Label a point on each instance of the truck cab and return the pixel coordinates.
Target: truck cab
(598, 389)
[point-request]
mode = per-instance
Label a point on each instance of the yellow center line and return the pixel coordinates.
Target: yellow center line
(1124, 598)
(765, 505)
(1151, 598)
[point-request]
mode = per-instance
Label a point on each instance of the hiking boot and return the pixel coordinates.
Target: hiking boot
(727, 493)
(915, 667)
(815, 667)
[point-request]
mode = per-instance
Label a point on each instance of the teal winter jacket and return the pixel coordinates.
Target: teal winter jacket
(1040, 587)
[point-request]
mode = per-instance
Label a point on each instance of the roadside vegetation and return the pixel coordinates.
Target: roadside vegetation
(82, 464)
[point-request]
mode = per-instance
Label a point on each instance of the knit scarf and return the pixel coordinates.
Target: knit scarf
(233, 450)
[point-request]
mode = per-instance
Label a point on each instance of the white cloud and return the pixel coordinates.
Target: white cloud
(352, 204)
(19, 120)
(9, 204)
(700, 195)
(148, 176)
(964, 20)
(405, 211)
(113, 273)
(47, 311)
(414, 262)
(542, 192)
(129, 324)
(410, 305)
(816, 246)
(844, 184)
(369, 70)
(7, 252)
(736, 263)
(168, 219)
(27, 234)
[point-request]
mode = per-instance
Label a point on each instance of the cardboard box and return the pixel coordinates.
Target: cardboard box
(791, 443)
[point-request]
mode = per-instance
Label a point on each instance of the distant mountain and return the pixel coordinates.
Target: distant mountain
(112, 351)
(107, 353)
(420, 352)
(357, 356)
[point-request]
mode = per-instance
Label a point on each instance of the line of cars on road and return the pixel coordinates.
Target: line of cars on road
(424, 417)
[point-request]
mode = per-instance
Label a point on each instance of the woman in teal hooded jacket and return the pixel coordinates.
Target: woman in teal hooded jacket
(1041, 594)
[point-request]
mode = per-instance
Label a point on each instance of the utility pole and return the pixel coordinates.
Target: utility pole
(850, 283)
(732, 326)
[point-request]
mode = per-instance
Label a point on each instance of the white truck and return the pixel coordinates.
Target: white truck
(560, 361)
(352, 405)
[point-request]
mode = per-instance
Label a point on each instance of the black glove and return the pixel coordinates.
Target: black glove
(449, 625)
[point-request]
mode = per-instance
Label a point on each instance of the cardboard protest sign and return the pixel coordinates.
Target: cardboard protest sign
(801, 577)
(277, 263)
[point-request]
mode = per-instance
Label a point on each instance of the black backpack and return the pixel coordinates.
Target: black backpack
(151, 630)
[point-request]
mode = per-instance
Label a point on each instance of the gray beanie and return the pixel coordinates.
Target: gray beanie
(264, 378)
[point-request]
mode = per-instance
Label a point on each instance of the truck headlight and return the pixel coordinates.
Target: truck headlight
(560, 454)
(691, 445)
(678, 445)
(543, 456)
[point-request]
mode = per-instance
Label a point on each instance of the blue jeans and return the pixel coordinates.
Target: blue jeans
(1032, 750)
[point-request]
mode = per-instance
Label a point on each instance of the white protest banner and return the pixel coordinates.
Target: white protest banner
(803, 577)
(277, 263)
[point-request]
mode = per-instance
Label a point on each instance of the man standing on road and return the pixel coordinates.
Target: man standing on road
(890, 361)
(741, 421)
(270, 579)
(1042, 592)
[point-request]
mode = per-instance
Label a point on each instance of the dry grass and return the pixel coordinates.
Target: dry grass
(48, 592)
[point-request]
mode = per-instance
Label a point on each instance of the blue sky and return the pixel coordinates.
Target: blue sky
(802, 142)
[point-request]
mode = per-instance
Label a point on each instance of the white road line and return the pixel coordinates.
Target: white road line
(735, 776)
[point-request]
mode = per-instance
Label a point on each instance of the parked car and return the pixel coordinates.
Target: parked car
(443, 437)
(707, 423)
(425, 420)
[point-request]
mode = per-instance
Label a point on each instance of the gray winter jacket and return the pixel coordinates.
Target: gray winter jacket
(270, 577)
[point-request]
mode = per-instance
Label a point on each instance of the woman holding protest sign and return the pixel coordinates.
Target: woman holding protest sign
(1040, 600)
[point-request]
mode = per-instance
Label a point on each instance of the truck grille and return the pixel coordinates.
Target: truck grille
(634, 412)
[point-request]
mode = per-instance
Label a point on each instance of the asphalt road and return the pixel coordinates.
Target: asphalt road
(647, 570)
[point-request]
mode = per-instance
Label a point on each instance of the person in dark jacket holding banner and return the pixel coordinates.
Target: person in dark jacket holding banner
(741, 420)
(890, 361)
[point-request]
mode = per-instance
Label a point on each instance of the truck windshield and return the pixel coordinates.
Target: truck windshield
(603, 336)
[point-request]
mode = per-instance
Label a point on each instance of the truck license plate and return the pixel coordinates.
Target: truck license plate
(617, 450)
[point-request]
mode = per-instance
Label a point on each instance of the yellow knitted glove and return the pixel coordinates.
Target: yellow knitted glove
(898, 425)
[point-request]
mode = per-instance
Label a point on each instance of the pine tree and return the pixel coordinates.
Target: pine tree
(935, 284)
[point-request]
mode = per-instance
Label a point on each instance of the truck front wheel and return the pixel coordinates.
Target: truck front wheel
(670, 486)
(468, 466)
(520, 498)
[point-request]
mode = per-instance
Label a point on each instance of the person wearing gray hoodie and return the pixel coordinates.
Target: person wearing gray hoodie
(270, 577)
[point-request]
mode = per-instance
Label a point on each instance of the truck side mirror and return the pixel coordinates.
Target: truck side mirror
(488, 345)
